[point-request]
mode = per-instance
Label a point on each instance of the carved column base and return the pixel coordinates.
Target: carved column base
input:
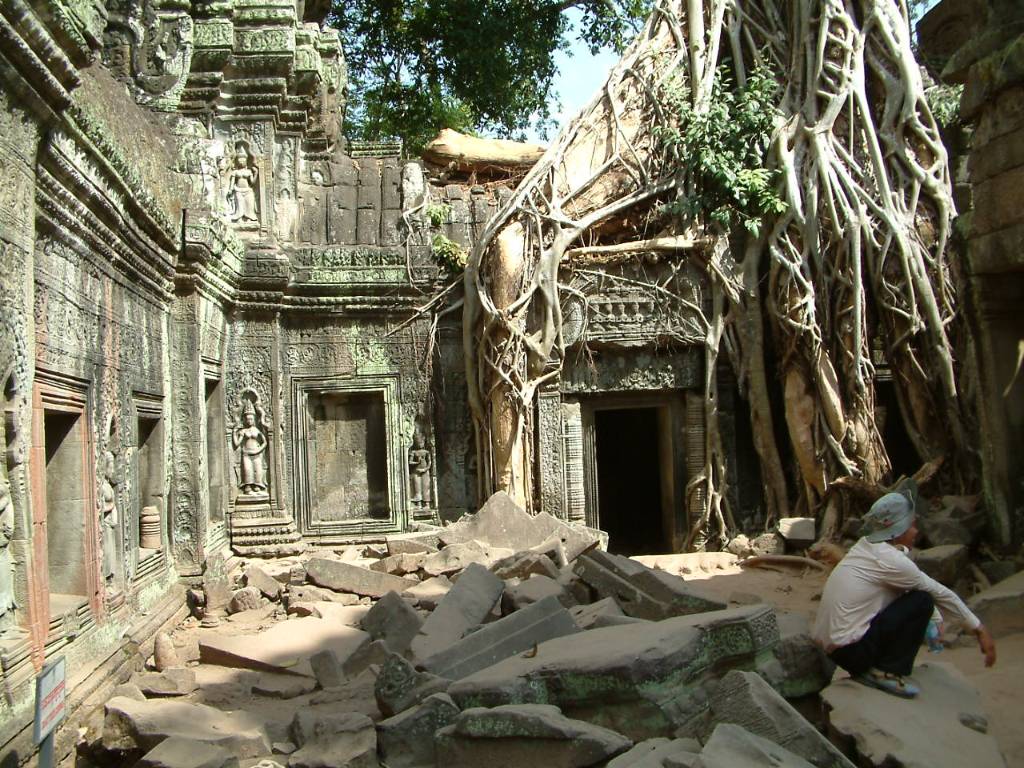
(256, 531)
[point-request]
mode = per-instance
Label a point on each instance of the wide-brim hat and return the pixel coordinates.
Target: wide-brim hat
(889, 517)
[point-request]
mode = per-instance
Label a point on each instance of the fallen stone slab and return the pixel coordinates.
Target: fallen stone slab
(515, 633)
(654, 752)
(519, 735)
(804, 668)
(407, 739)
(245, 599)
(394, 621)
(586, 615)
(575, 538)
(345, 577)
(179, 752)
(307, 593)
(500, 522)
(131, 726)
(371, 654)
(256, 576)
(947, 564)
(798, 532)
(397, 546)
(400, 686)
(877, 729)
(277, 686)
(467, 604)
(745, 699)
(349, 615)
(173, 681)
(455, 557)
(642, 592)
(1001, 606)
(641, 684)
(731, 746)
(400, 565)
(532, 590)
(345, 740)
(429, 592)
(285, 647)
(522, 565)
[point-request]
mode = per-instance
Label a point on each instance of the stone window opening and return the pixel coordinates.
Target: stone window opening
(148, 532)
(216, 455)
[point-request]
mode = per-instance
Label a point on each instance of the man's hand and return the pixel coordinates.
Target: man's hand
(986, 644)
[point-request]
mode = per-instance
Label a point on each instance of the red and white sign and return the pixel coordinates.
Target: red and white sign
(51, 702)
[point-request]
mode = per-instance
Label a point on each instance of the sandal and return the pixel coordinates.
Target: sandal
(888, 682)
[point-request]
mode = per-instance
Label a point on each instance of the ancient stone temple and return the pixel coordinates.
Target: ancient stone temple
(209, 339)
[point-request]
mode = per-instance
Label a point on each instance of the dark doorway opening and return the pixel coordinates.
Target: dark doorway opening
(889, 417)
(629, 480)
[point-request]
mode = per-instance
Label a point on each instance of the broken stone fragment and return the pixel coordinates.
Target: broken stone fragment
(327, 669)
(370, 654)
(731, 746)
(522, 565)
(245, 599)
(407, 739)
(399, 686)
(129, 690)
(575, 538)
(345, 740)
(179, 752)
(173, 681)
(394, 621)
(524, 735)
(767, 544)
(400, 565)
(803, 669)
(532, 590)
(799, 532)
(947, 564)
(345, 577)
(135, 727)
(430, 592)
(653, 753)
(883, 730)
(307, 593)
(276, 686)
(455, 557)
(641, 592)
(643, 684)
(745, 699)
(586, 615)
(467, 604)
(164, 654)
(500, 522)
(518, 632)
(1001, 606)
(269, 586)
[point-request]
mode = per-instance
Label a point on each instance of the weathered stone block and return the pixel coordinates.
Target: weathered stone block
(1001, 606)
(269, 586)
(804, 669)
(429, 592)
(467, 604)
(345, 577)
(407, 739)
(642, 684)
(327, 669)
(522, 565)
(399, 686)
(640, 591)
(179, 752)
(654, 752)
(346, 740)
(746, 700)
(276, 686)
(173, 681)
(532, 590)
(521, 735)
(455, 557)
(517, 632)
(797, 531)
(500, 522)
(245, 599)
(947, 564)
(394, 621)
(730, 746)
(586, 615)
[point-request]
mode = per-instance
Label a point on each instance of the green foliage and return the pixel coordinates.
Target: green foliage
(416, 66)
(722, 150)
(437, 214)
(944, 101)
(448, 254)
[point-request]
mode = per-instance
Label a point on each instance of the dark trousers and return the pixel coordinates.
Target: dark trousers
(893, 639)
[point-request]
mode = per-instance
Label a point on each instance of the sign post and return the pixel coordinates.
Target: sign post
(51, 707)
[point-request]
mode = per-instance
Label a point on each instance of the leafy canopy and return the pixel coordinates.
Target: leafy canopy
(416, 66)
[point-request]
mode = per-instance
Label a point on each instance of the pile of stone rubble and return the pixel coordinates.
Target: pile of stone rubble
(503, 640)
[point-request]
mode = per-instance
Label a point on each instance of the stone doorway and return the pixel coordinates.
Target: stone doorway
(632, 469)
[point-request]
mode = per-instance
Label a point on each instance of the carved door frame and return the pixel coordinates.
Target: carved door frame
(387, 387)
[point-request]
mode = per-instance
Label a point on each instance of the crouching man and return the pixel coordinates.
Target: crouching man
(876, 604)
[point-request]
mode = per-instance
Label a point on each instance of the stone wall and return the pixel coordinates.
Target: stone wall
(981, 45)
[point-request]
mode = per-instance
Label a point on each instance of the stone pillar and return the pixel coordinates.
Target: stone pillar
(575, 484)
(550, 453)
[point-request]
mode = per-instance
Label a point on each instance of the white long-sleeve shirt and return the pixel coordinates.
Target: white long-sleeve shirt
(864, 583)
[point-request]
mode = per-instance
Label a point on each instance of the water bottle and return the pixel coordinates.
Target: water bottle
(933, 637)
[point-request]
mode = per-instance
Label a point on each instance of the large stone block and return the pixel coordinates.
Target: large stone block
(394, 621)
(641, 592)
(936, 728)
(345, 577)
(533, 590)
(407, 739)
(640, 683)
(1001, 606)
(745, 699)
(256, 576)
(517, 632)
(500, 522)
(514, 736)
(947, 564)
(399, 686)
(344, 740)
(455, 557)
(467, 604)
(730, 746)
(803, 668)
(173, 681)
(131, 726)
(179, 752)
